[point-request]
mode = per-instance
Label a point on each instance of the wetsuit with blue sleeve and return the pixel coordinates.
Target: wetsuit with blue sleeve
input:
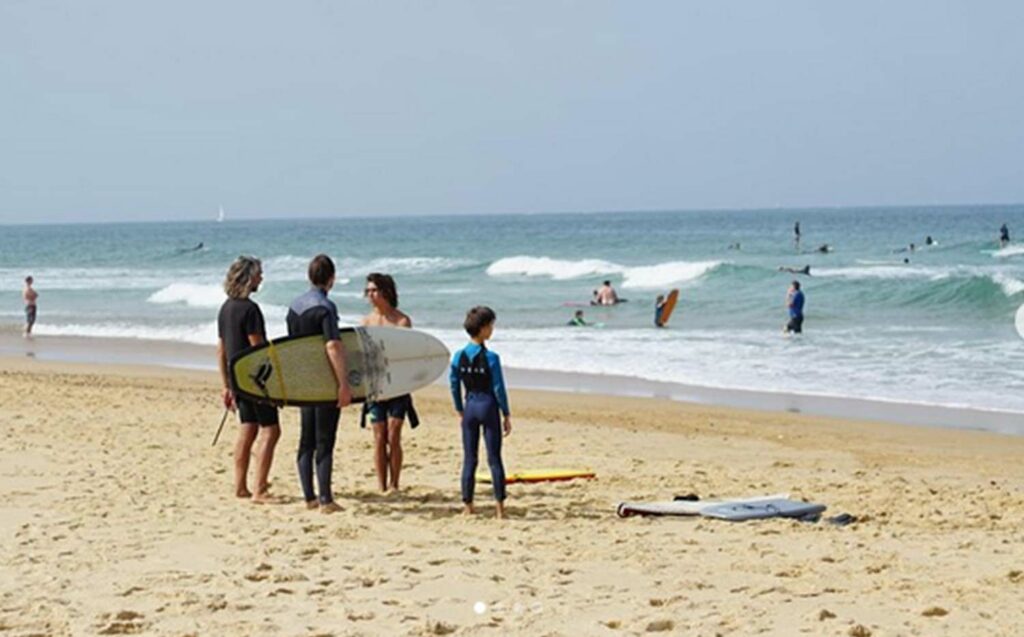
(479, 370)
(309, 314)
(796, 313)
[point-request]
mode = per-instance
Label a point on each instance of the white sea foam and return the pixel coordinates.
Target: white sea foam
(1010, 285)
(883, 272)
(666, 274)
(190, 294)
(638, 277)
(199, 333)
(291, 267)
(12, 279)
(557, 269)
(1014, 250)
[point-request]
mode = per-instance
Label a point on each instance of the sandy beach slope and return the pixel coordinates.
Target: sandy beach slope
(117, 517)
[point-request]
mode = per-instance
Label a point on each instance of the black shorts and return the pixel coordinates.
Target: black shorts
(795, 325)
(253, 412)
(386, 409)
(30, 314)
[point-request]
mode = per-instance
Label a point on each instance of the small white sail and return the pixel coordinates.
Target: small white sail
(220, 215)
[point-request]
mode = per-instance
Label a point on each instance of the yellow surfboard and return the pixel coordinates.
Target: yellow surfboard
(539, 475)
(381, 362)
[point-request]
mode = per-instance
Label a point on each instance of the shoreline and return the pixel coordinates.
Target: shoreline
(171, 354)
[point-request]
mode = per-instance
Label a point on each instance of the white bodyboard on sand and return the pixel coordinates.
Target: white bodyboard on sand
(686, 507)
(781, 508)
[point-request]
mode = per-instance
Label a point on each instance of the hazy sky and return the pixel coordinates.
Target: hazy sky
(135, 110)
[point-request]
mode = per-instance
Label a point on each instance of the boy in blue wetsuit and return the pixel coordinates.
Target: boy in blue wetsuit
(479, 369)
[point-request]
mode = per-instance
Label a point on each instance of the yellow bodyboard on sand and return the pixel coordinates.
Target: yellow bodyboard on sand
(539, 475)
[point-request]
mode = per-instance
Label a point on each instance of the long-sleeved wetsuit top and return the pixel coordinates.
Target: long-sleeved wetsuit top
(313, 313)
(497, 380)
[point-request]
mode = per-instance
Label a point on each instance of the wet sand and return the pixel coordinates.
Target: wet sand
(118, 517)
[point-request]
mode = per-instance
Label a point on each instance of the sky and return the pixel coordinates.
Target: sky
(135, 111)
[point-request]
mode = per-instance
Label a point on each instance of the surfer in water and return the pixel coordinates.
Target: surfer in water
(577, 320)
(240, 326)
(387, 416)
(659, 307)
(1004, 236)
(928, 241)
(311, 314)
(606, 295)
(824, 248)
(796, 235)
(795, 305)
(479, 370)
(804, 270)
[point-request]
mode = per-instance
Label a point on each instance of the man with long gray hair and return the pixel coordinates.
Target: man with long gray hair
(240, 326)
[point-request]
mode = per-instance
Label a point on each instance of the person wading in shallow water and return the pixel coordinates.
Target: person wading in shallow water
(29, 296)
(795, 304)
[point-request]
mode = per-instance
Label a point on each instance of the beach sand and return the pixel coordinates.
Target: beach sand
(117, 517)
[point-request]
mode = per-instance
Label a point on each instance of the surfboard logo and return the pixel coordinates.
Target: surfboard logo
(261, 375)
(355, 377)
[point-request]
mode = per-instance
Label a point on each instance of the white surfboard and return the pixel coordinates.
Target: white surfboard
(381, 363)
(686, 507)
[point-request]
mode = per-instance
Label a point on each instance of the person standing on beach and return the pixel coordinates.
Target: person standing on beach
(386, 416)
(29, 296)
(309, 314)
(240, 326)
(795, 304)
(479, 370)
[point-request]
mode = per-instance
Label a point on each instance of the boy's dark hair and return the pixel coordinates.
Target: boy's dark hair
(386, 285)
(478, 318)
(607, 282)
(796, 285)
(321, 270)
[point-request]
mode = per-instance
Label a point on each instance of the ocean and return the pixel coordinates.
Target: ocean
(938, 330)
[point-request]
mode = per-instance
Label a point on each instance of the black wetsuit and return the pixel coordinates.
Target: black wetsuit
(313, 313)
(238, 318)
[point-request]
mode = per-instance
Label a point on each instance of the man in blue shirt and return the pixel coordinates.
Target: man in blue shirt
(795, 303)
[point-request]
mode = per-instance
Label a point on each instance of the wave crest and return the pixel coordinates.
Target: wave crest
(191, 294)
(636, 277)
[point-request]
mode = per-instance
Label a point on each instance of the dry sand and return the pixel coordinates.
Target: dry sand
(117, 517)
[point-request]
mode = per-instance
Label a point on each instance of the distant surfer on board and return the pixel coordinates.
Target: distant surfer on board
(795, 305)
(606, 295)
(309, 314)
(479, 370)
(804, 270)
(240, 326)
(1004, 236)
(796, 235)
(387, 416)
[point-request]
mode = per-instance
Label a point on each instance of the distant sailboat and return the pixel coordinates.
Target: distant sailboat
(220, 215)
